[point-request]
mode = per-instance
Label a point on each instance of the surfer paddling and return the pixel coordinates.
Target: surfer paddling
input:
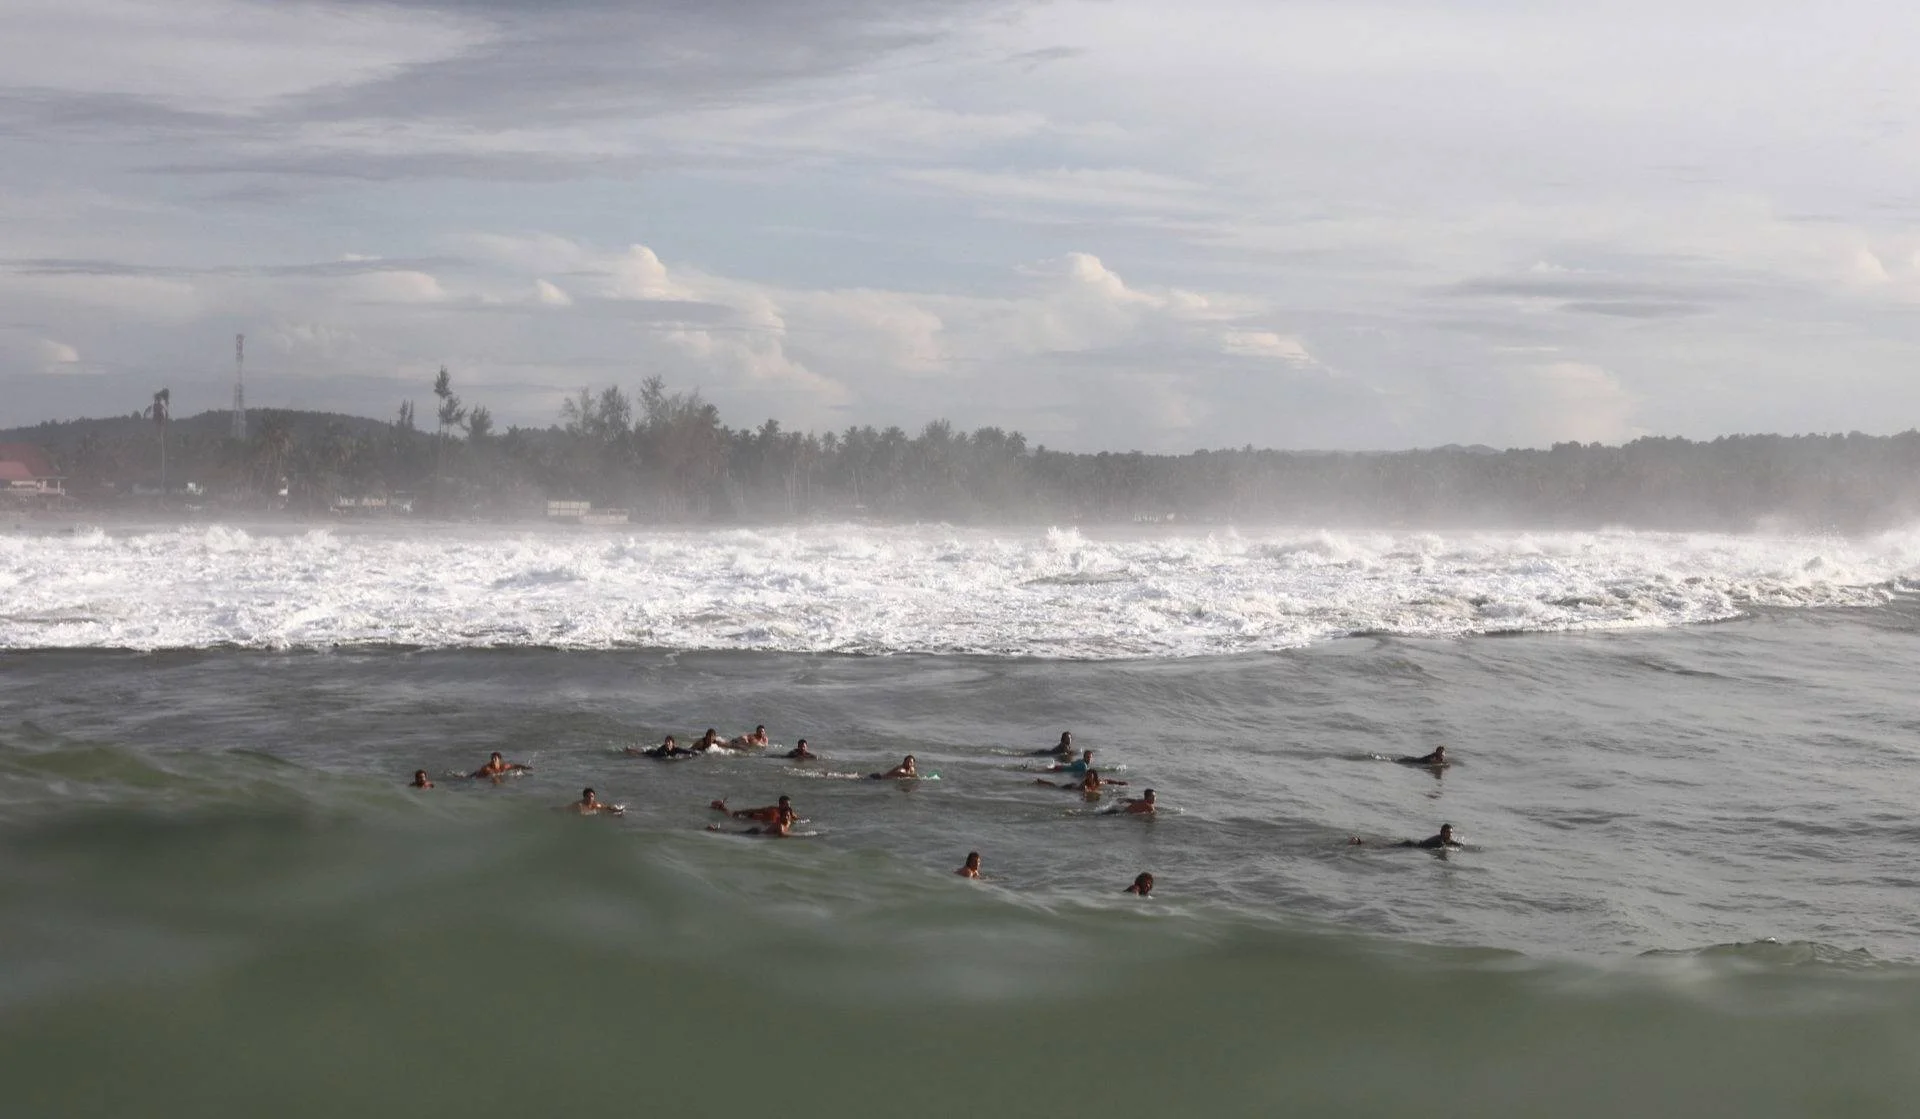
(1079, 765)
(420, 780)
(905, 771)
(498, 766)
(1441, 842)
(800, 753)
(767, 813)
(1435, 760)
(755, 741)
(972, 867)
(1090, 784)
(710, 741)
(668, 748)
(1064, 749)
(1141, 805)
(591, 805)
(1142, 884)
(780, 828)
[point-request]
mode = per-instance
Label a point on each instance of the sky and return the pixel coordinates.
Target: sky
(1116, 224)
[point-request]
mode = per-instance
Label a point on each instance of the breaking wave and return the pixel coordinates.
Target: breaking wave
(875, 590)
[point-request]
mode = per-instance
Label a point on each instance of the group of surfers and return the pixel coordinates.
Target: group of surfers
(777, 820)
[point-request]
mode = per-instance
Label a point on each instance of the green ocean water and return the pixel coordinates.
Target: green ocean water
(1688, 889)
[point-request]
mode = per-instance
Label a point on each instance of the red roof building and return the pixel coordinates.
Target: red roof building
(26, 470)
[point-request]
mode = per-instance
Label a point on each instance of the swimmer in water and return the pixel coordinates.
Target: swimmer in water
(590, 805)
(1080, 765)
(1141, 805)
(668, 748)
(1142, 884)
(767, 813)
(1062, 750)
(972, 869)
(1442, 842)
(1437, 759)
(709, 741)
(904, 771)
(498, 766)
(800, 753)
(755, 741)
(420, 780)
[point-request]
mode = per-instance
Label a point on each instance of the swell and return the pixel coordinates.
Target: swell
(405, 961)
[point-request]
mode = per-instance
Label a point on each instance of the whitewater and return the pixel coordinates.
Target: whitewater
(1060, 593)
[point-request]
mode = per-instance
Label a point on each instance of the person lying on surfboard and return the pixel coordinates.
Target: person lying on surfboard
(1436, 759)
(766, 813)
(755, 741)
(1063, 750)
(800, 753)
(590, 805)
(1141, 805)
(710, 741)
(1090, 784)
(780, 828)
(904, 771)
(498, 766)
(1442, 841)
(668, 748)
(1079, 765)
(1142, 884)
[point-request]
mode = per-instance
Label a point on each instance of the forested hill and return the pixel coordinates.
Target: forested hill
(669, 457)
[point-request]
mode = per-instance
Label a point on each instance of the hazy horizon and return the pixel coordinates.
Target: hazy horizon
(1371, 226)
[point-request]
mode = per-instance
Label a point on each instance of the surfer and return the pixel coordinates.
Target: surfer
(1090, 784)
(904, 771)
(590, 805)
(710, 741)
(1064, 749)
(1142, 884)
(668, 748)
(755, 741)
(972, 869)
(1436, 759)
(498, 766)
(1442, 841)
(780, 828)
(1139, 806)
(1079, 765)
(420, 780)
(800, 753)
(767, 813)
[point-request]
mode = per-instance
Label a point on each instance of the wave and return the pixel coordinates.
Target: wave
(876, 590)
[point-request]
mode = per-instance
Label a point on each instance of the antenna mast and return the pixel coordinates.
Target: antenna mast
(240, 387)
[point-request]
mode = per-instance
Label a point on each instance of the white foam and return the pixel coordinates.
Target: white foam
(866, 589)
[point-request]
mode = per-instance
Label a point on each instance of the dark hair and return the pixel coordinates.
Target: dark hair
(585, 793)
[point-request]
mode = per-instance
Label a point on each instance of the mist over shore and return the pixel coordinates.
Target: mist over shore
(667, 457)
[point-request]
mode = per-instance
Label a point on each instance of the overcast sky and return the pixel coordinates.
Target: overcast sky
(1118, 224)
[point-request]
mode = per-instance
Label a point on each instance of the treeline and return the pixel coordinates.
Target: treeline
(668, 457)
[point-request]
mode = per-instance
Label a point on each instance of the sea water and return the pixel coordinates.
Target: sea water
(1685, 774)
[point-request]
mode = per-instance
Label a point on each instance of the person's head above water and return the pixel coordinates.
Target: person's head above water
(667, 741)
(1446, 832)
(1066, 739)
(495, 757)
(760, 728)
(1439, 753)
(586, 796)
(786, 803)
(1142, 884)
(420, 779)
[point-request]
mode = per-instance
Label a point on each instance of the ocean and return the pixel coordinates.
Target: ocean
(1684, 774)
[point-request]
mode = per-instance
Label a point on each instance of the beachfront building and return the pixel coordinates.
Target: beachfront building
(26, 472)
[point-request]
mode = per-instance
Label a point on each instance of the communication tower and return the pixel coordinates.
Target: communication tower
(240, 386)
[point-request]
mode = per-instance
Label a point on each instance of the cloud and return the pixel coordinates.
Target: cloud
(57, 357)
(1570, 401)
